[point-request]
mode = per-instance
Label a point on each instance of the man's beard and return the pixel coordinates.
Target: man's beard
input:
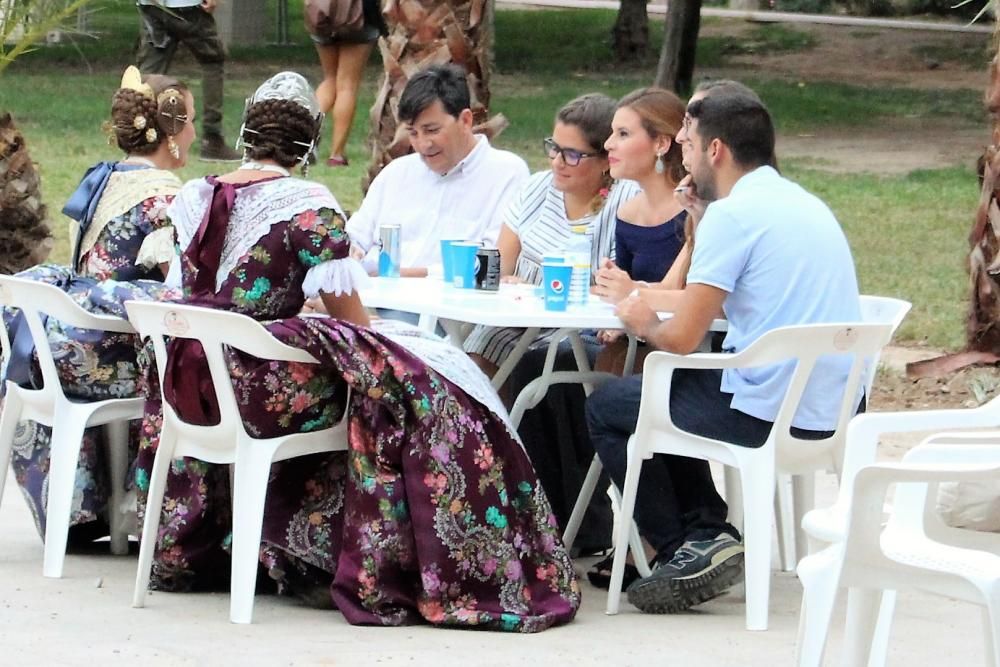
(705, 184)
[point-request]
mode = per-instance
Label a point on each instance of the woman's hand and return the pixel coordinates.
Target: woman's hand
(608, 336)
(314, 305)
(612, 284)
(511, 280)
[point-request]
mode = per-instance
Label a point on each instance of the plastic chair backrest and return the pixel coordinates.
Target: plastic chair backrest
(215, 330)
(804, 344)
(883, 310)
(34, 298)
(911, 500)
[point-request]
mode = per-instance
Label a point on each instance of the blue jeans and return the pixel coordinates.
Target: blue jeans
(677, 500)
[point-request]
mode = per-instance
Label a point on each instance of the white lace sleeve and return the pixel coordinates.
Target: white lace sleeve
(156, 248)
(335, 276)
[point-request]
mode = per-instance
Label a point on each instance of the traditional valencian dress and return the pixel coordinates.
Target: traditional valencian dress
(434, 513)
(123, 237)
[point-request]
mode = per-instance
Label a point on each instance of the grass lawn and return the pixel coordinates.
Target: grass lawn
(907, 232)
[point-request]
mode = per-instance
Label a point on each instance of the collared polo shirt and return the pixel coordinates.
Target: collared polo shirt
(782, 257)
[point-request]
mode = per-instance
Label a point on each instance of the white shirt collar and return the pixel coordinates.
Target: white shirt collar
(474, 157)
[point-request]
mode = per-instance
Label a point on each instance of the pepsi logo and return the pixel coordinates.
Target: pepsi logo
(557, 286)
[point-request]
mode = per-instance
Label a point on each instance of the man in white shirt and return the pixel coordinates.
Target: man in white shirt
(454, 186)
(768, 254)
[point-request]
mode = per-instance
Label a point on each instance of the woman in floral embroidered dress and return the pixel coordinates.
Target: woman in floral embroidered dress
(435, 512)
(123, 245)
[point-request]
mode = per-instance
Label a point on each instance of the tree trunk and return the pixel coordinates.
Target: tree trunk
(676, 67)
(25, 238)
(424, 33)
(630, 36)
(982, 333)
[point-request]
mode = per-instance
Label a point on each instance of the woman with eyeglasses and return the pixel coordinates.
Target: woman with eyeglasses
(576, 190)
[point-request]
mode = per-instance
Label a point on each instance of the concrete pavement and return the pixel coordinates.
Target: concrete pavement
(85, 619)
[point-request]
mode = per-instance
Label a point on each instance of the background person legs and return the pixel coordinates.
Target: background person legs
(343, 68)
(161, 32)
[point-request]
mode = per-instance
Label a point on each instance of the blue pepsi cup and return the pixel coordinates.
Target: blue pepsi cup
(446, 260)
(463, 264)
(555, 283)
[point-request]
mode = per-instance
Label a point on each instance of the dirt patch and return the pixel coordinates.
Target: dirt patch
(874, 57)
(896, 146)
(966, 388)
(863, 56)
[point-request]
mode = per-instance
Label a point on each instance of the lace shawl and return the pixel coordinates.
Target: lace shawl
(256, 209)
(125, 190)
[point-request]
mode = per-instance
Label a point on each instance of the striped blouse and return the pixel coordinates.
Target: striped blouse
(537, 215)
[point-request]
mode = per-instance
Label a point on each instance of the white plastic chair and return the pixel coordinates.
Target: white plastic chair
(224, 443)
(863, 435)
(795, 495)
(67, 417)
(656, 434)
(914, 549)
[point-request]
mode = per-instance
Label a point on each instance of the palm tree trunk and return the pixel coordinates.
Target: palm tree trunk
(983, 326)
(424, 33)
(25, 238)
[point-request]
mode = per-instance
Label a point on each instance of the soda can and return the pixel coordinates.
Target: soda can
(488, 269)
(390, 239)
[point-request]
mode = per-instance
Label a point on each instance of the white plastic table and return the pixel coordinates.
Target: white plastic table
(512, 306)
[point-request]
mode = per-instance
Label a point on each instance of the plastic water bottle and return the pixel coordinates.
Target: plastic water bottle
(578, 255)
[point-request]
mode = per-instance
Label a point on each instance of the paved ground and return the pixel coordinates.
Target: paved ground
(85, 619)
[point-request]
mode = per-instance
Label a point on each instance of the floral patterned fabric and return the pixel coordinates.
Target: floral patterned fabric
(92, 365)
(433, 514)
(113, 257)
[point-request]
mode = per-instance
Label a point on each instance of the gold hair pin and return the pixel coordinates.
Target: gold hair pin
(132, 80)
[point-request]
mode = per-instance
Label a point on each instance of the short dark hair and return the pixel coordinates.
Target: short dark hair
(438, 82)
(720, 85)
(739, 120)
(591, 114)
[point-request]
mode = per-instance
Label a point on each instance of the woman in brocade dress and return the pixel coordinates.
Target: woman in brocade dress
(434, 514)
(124, 242)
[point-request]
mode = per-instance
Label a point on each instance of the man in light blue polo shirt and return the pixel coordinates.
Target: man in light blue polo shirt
(767, 254)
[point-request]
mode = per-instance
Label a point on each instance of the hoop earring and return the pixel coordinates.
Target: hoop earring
(173, 148)
(659, 166)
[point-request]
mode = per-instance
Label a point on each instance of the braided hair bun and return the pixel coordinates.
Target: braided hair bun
(141, 122)
(279, 130)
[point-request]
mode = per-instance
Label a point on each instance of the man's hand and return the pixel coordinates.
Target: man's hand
(638, 318)
(686, 193)
(209, 5)
(611, 283)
